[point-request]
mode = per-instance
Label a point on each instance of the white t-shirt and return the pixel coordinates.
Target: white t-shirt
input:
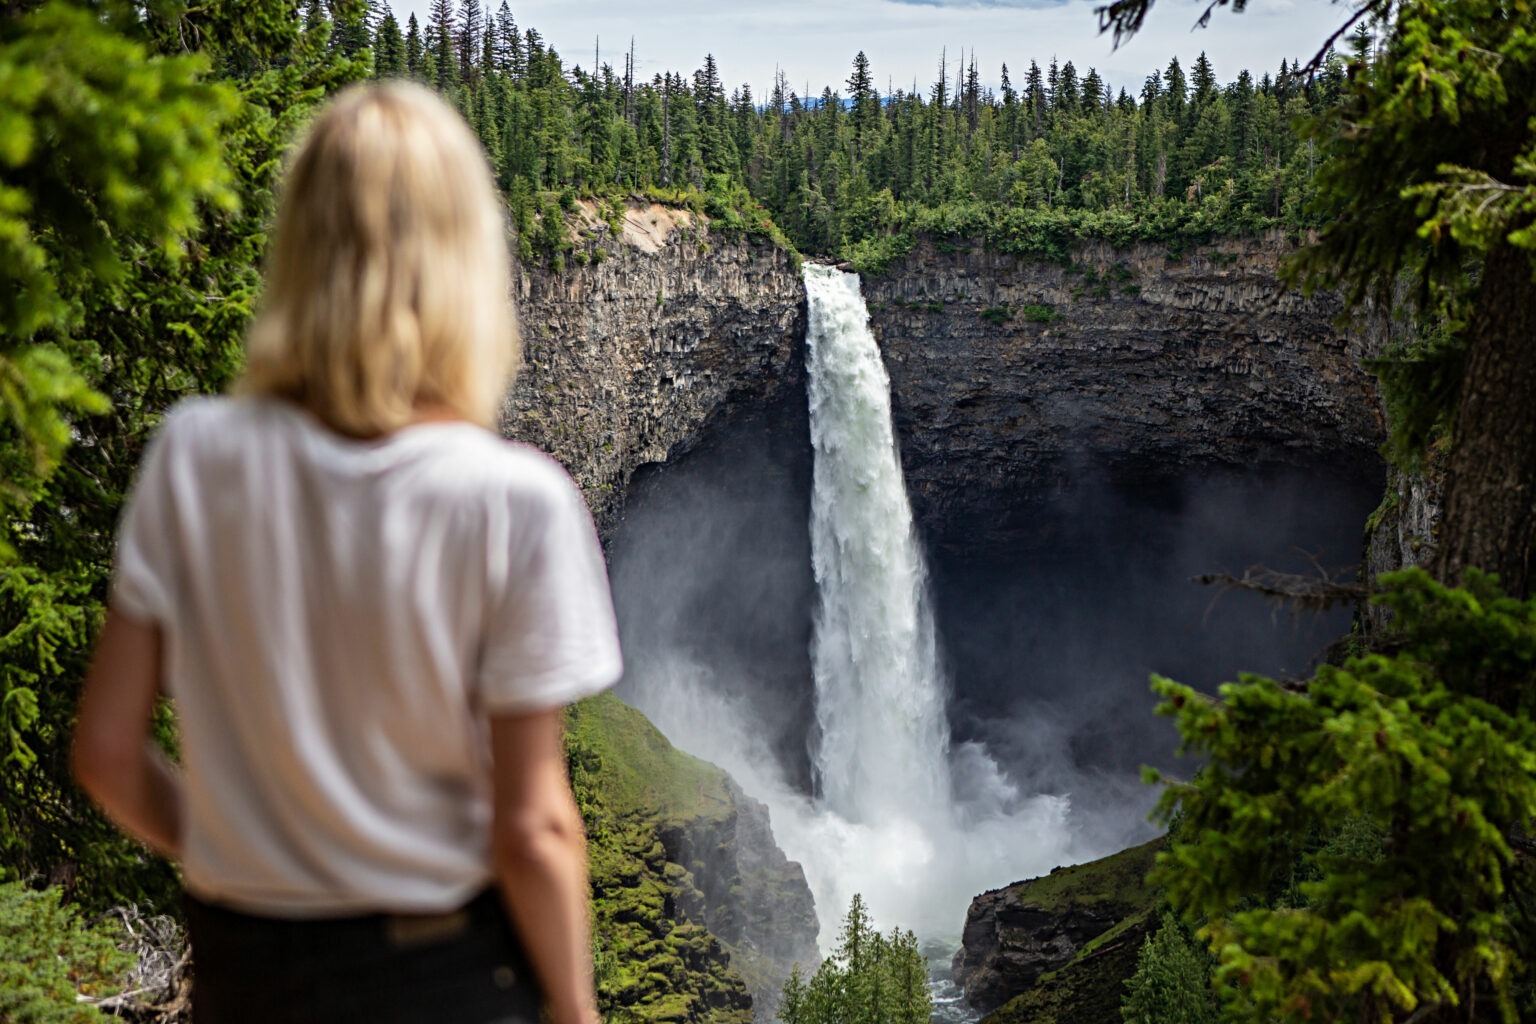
(338, 618)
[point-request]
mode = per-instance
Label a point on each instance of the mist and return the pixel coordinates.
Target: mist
(1047, 645)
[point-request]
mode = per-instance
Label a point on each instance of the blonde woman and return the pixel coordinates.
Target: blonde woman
(368, 610)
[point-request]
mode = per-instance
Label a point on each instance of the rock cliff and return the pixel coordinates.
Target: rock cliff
(699, 914)
(755, 900)
(645, 339)
(1005, 373)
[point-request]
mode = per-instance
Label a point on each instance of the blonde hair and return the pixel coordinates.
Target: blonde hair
(389, 277)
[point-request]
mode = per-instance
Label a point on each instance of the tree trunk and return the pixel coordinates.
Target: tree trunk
(1489, 517)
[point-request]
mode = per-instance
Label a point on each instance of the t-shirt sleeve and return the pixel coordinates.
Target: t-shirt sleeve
(551, 636)
(143, 572)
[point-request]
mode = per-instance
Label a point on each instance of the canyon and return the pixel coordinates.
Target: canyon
(1017, 388)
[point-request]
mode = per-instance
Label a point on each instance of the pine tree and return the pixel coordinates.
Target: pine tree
(717, 152)
(389, 59)
(869, 979)
(503, 31)
(414, 62)
(352, 32)
(972, 99)
(444, 54)
(1035, 98)
(1203, 78)
(866, 102)
(1172, 983)
(1175, 91)
(1066, 97)
(1010, 116)
(470, 40)
(1093, 92)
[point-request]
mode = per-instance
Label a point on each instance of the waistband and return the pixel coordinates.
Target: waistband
(399, 929)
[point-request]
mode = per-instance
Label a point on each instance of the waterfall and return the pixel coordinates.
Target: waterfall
(916, 826)
(880, 694)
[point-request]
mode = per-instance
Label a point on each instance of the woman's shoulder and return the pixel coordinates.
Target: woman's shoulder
(192, 422)
(212, 416)
(212, 426)
(520, 471)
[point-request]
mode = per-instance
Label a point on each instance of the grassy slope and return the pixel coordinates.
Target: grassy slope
(642, 771)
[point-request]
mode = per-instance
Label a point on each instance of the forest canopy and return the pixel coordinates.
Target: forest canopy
(1053, 155)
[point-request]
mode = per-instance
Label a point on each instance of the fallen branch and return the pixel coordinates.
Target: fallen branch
(157, 988)
(1318, 592)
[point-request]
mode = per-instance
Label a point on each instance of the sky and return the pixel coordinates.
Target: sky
(814, 41)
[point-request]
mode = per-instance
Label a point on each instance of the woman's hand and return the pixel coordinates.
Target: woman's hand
(114, 759)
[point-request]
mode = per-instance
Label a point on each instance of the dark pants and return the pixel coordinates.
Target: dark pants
(465, 967)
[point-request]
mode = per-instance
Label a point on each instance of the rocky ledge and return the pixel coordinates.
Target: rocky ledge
(1007, 374)
(700, 916)
(1075, 930)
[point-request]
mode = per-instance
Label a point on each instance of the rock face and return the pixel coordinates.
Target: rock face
(1009, 943)
(1075, 923)
(699, 915)
(756, 900)
(1403, 530)
(630, 355)
(1005, 372)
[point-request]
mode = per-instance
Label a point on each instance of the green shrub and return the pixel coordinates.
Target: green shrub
(1040, 314)
(47, 956)
(997, 315)
(874, 256)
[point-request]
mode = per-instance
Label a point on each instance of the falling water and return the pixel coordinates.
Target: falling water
(914, 825)
(879, 693)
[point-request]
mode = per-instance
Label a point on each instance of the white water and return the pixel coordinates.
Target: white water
(915, 825)
(880, 696)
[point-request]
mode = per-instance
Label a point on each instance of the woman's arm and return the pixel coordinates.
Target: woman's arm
(540, 857)
(114, 759)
